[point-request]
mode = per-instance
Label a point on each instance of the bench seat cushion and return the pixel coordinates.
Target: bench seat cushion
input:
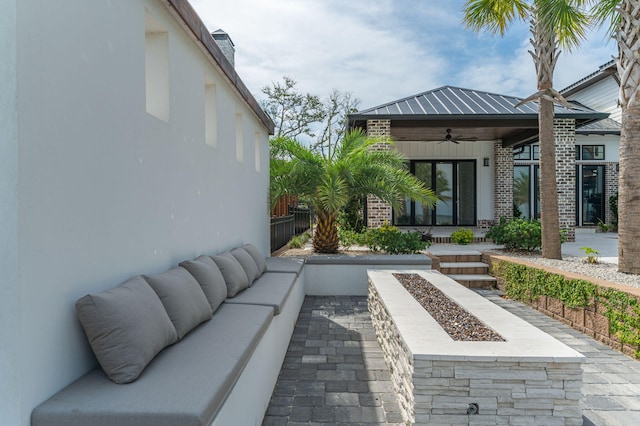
(285, 264)
(186, 384)
(271, 289)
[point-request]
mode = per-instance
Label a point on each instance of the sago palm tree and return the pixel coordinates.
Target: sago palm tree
(624, 17)
(349, 169)
(554, 23)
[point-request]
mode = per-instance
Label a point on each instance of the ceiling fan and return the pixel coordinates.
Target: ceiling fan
(456, 139)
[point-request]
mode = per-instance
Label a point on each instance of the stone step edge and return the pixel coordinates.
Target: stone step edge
(458, 277)
(463, 265)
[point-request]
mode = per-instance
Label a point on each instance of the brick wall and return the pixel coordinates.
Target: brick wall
(611, 188)
(565, 138)
(378, 212)
(503, 181)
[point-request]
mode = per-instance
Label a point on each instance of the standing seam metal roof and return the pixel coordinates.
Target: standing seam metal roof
(456, 101)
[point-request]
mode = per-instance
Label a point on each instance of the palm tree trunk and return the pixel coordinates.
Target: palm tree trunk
(325, 237)
(629, 192)
(545, 57)
(548, 186)
(628, 183)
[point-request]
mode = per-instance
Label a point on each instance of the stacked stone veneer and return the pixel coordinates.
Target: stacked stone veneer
(438, 389)
(378, 212)
(564, 130)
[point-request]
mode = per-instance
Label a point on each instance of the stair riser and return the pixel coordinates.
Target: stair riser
(486, 285)
(460, 258)
(465, 271)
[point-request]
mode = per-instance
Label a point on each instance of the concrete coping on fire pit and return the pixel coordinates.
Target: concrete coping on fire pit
(523, 342)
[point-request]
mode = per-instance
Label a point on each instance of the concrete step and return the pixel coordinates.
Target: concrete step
(475, 281)
(464, 268)
(470, 256)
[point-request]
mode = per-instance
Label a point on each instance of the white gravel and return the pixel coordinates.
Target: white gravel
(604, 271)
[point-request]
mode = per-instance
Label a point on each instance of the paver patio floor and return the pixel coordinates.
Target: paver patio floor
(334, 371)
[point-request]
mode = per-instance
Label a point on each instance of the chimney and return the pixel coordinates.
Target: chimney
(225, 44)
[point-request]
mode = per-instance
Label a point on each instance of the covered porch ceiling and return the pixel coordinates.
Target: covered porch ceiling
(470, 114)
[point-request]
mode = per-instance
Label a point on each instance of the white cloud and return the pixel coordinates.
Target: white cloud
(381, 50)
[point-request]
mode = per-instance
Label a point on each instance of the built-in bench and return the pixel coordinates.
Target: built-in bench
(221, 372)
(223, 369)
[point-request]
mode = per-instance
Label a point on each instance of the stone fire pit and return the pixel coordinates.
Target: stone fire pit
(529, 378)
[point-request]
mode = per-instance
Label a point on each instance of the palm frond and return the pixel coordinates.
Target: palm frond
(567, 18)
(495, 16)
(606, 11)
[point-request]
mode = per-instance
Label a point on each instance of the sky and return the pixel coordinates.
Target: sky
(384, 50)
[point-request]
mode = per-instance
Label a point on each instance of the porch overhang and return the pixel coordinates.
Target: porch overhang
(485, 116)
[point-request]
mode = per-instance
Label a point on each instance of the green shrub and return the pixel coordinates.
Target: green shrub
(350, 218)
(299, 241)
(462, 236)
(591, 255)
(391, 240)
(517, 234)
(350, 238)
(527, 284)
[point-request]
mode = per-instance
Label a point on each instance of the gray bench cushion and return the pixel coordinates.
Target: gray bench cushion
(285, 264)
(271, 289)
(126, 327)
(248, 264)
(186, 384)
(257, 257)
(182, 297)
(233, 274)
(207, 273)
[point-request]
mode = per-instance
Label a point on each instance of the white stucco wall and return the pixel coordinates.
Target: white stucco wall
(10, 332)
(477, 151)
(105, 190)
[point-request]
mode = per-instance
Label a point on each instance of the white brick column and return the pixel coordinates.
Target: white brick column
(503, 181)
(564, 130)
(378, 212)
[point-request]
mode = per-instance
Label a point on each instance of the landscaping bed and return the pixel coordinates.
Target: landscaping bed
(605, 311)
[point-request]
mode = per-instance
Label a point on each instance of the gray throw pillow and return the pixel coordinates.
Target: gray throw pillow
(126, 328)
(182, 297)
(247, 263)
(257, 257)
(207, 273)
(233, 274)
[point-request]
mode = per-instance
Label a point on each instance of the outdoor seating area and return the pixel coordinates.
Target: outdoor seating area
(200, 344)
(181, 246)
(331, 367)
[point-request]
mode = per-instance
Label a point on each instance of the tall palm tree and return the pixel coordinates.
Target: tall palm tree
(554, 23)
(624, 17)
(328, 181)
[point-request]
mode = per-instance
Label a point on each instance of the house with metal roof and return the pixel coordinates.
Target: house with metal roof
(479, 153)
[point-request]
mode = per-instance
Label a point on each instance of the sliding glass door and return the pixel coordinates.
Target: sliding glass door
(454, 182)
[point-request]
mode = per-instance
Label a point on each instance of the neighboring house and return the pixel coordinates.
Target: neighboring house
(480, 154)
(128, 143)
